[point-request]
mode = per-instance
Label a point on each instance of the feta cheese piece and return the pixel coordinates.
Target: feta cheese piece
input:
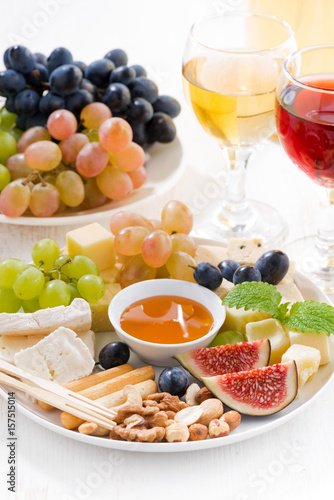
(61, 357)
(101, 322)
(210, 253)
(237, 319)
(290, 293)
(245, 251)
(273, 330)
(93, 241)
(319, 341)
(307, 360)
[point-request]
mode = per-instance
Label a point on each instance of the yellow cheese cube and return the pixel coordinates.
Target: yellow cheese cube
(93, 241)
(210, 253)
(307, 360)
(319, 341)
(111, 274)
(100, 318)
(273, 330)
(290, 293)
(237, 319)
(224, 288)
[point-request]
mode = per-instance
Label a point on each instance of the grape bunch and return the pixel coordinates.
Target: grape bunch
(53, 280)
(35, 85)
(81, 170)
(149, 249)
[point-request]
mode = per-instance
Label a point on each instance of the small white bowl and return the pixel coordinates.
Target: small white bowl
(161, 354)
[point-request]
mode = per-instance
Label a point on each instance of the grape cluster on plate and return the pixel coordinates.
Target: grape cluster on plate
(53, 280)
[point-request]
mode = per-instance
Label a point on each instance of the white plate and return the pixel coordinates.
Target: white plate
(249, 427)
(164, 168)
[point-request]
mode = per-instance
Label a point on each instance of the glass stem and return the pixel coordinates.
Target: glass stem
(325, 236)
(236, 212)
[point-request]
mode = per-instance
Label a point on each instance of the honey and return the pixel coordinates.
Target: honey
(166, 319)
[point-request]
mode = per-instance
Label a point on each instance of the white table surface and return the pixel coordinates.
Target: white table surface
(293, 461)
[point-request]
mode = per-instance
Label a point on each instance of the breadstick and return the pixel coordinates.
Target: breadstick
(91, 380)
(114, 400)
(106, 388)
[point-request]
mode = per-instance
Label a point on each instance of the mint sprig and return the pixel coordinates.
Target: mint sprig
(308, 316)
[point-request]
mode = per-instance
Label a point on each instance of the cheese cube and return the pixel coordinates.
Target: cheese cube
(307, 360)
(61, 357)
(93, 241)
(224, 288)
(288, 278)
(319, 341)
(111, 274)
(273, 330)
(290, 293)
(237, 319)
(245, 251)
(210, 253)
(101, 322)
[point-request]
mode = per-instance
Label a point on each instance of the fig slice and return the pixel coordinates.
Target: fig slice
(210, 361)
(262, 391)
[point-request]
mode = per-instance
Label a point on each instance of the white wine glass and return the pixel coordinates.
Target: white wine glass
(231, 65)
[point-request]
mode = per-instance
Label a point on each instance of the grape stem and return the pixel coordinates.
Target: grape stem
(58, 270)
(33, 177)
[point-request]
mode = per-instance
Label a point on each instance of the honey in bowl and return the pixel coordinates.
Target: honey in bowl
(166, 319)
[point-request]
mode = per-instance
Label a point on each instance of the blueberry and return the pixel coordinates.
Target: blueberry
(208, 275)
(21, 59)
(143, 87)
(123, 74)
(273, 266)
(227, 268)
(76, 102)
(51, 102)
(37, 76)
(140, 71)
(41, 58)
(98, 72)
(246, 273)
(117, 56)
(114, 354)
(173, 380)
(59, 57)
(65, 80)
(168, 105)
(161, 128)
(27, 102)
(11, 82)
(117, 97)
(140, 110)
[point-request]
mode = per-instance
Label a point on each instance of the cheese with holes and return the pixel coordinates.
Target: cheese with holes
(307, 360)
(319, 341)
(93, 241)
(210, 253)
(61, 356)
(245, 251)
(273, 330)
(101, 322)
(237, 319)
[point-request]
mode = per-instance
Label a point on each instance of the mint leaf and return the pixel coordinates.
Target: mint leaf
(257, 296)
(310, 316)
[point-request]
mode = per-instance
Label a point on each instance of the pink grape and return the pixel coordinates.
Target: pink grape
(44, 200)
(128, 241)
(71, 188)
(72, 145)
(138, 177)
(91, 160)
(93, 196)
(94, 114)
(124, 219)
(15, 198)
(61, 124)
(177, 218)
(183, 243)
(115, 134)
(17, 167)
(130, 159)
(157, 224)
(157, 248)
(135, 270)
(33, 134)
(42, 155)
(114, 183)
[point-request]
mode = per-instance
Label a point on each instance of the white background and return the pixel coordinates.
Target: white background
(293, 461)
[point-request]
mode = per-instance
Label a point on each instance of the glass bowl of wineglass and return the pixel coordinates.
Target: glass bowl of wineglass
(305, 125)
(231, 65)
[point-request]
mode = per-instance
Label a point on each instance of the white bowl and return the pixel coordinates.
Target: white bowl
(161, 354)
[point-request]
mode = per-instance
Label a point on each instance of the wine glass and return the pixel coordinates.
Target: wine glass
(231, 65)
(305, 125)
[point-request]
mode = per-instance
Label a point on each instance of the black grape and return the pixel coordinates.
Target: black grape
(80, 65)
(41, 58)
(51, 102)
(21, 59)
(38, 120)
(76, 102)
(58, 57)
(87, 85)
(37, 76)
(140, 110)
(167, 104)
(143, 87)
(117, 97)
(11, 82)
(98, 72)
(117, 56)
(140, 71)
(65, 80)
(27, 102)
(161, 128)
(123, 74)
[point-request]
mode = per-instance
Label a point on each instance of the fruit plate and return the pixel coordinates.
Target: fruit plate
(164, 168)
(249, 427)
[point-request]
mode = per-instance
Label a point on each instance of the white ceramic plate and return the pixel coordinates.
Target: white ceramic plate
(164, 168)
(249, 427)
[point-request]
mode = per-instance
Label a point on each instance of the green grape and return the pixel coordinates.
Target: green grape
(91, 287)
(9, 303)
(7, 146)
(31, 305)
(93, 136)
(4, 177)
(45, 252)
(60, 262)
(16, 133)
(9, 269)
(29, 283)
(74, 291)
(7, 119)
(82, 265)
(55, 293)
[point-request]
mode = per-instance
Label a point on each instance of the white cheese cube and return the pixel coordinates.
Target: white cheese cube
(273, 330)
(245, 251)
(237, 319)
(290, 293)
(319, 341)
(307, 360)
(210, 253)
